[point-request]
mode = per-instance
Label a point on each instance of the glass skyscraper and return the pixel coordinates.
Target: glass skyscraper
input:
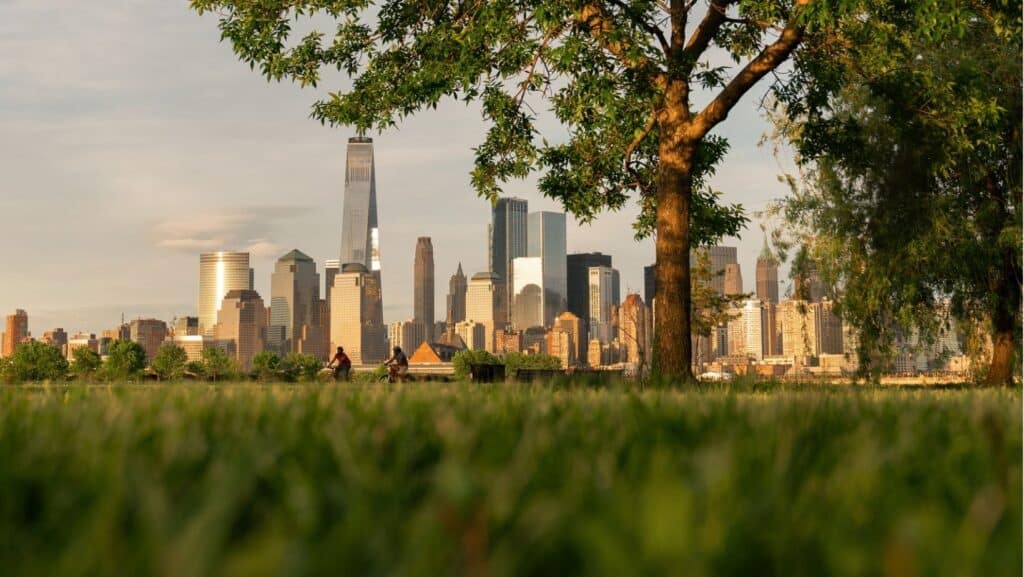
(507, 242)
(360, 237)
(219, 274)
(546, 239)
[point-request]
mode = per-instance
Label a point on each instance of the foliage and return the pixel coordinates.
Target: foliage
(300, 367)
(458, 480)
(194, 368)
(125, 360)
(266, 364)
(87, 362)
(910, 191)
(37, 361)
(515, 361)
(217, 365)
(463, 359)
(169, 362)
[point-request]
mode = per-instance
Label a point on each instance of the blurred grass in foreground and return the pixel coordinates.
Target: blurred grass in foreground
(449, 479)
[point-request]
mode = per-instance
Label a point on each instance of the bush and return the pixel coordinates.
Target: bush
(125, 360)
(86, 362)
(169, 362)
(36, 361)
(463, 359)
(515, 361)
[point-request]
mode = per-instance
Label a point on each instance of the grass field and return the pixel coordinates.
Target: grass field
(248, 480)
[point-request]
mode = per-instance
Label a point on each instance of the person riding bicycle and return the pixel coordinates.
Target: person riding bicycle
(398, 365)
(344, 366)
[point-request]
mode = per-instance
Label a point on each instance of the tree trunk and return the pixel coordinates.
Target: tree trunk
(672, 273)
(1004, 322)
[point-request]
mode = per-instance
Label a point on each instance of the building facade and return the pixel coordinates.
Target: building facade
(360, 235)
(546, 240)
(601, 291)
(457, 286)
(295, 323)
(767, 276)
(242, 326)
(577, 283)
(219, 274)
(408, 334)
(483, 299)
(528, 292)
(423, 283)
(357, 321)
(507, 241)
(15, 332)
(150, 333)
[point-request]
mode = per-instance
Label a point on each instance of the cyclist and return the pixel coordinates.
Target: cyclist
(344, 366)
(398, 366)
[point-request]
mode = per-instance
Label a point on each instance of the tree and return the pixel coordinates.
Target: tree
(622, 77)
(910, 192)
(300, 367)
(169, 362)
(266, 364)
(125, 360)
(463, 359)
(37, 361)
(86, 362)
(217, 364)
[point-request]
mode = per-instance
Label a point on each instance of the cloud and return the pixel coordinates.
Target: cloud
(251, 229)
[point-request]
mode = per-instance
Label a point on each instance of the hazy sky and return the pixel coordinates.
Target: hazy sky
(131, 140)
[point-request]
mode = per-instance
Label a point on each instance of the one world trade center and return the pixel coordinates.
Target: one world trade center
(360, 241)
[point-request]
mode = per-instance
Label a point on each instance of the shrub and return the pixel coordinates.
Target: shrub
(300, 367)
(463, 359)
(266, 365)
(515, 361)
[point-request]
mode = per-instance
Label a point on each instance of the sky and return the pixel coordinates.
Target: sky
(132, 139)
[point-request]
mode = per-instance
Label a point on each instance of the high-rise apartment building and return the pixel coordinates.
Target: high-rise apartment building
(507, 242)
(602, 291)
(767, 277)
(406, 334)
(748, 336)
(242, 325)
(360, 236)
(423, 284)
(219, 274)
(577, 283)
(357, 321)
(16, 331)
(546, 240)
(457, 287)
(295, 324)
(482, 303)
(150, 333)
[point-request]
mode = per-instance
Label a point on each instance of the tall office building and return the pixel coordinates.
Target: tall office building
(528, 292)
(733, 279)
(219, 274)
(242, 325)
(601, 288)
(423, 284)
(650, 283)
(571, 348)
(507, 242)
(577, 281)
(546, 240)
(357, 321)
(331, 269)
(295, 324)
(360, 237)
(16, 331)
(150, 333)
(767, 277)
(719, 257)
(406, 334)
(483, 299)
(748, 334)
(457, 286)
(635, 331)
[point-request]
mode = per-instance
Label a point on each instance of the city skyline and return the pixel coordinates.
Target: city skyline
(128, 171)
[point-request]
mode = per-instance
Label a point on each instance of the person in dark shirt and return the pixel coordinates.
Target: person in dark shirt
(398, 365)
(344, 365)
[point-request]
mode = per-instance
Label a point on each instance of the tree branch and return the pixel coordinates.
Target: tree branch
(628, 156)
(652, 29)
(768, 59)
(598, 23)
(706, 31)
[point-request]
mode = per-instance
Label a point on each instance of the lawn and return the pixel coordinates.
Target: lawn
(249, 480)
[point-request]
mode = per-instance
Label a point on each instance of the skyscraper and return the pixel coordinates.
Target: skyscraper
(17, 331)
(357, 321)
(423, 284)
(242, 325)
(767, 277)
(577, 283)
(360, 240)
(457, 286)
(507, 242)
(718, 257)
(295, 325)
(528, 292)
(482, 303)
(546, 240)
(220, 273)
(650, 284)
(331, 269)
(600, 286)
